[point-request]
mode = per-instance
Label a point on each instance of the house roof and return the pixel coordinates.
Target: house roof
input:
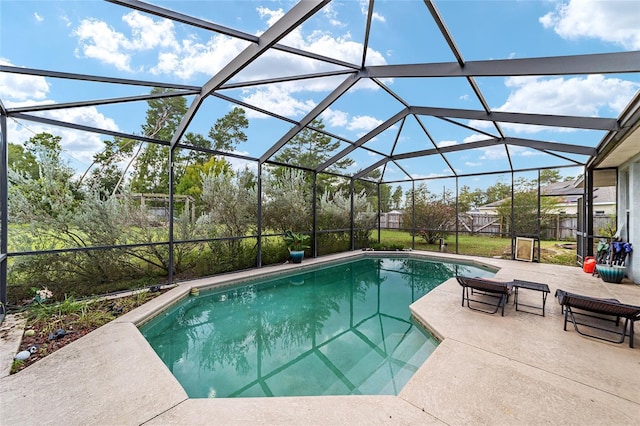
(569, 193)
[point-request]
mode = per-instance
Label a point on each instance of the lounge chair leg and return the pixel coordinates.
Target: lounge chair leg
(566, 313)
(631, 335)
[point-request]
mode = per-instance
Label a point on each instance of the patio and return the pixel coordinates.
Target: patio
(516, 369)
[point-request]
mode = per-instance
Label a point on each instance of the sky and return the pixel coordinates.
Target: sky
(101, 38)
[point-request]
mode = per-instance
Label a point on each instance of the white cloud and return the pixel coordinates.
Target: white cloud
(475, 137)
(363, 122)
(442, 144)
(494, 153)
(193, 57)
(25, 90)
(77, 146)
(188, 57)
(100, 41)
(472, 164)
(445, 172)
(278, 99)
(18, 87)
(65, 19)
(37, 17)
(375, 16)
(610, 21)
(148, 34)
(332, 16)
(239, 164)
(272, 15)
(578, 96)
(335, 118)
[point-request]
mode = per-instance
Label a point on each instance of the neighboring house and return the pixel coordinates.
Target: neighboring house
(567, 195)
(391, 220)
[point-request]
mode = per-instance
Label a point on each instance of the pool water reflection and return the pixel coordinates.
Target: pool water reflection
(344, 329)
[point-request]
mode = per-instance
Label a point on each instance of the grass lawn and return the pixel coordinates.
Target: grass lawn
(479, 245)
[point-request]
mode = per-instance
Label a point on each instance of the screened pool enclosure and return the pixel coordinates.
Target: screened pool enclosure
(180, 139)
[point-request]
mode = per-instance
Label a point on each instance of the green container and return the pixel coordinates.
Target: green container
(611, 274)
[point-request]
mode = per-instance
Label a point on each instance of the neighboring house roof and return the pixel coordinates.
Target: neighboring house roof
(604, 195)
(569, 193)
(561, 189)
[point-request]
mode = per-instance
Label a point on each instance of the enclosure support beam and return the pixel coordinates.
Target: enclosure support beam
(314, 203)
(210, 26)
(513, 215)
(326, 103)
(457, 212)
(375, 132)
(4, 211)
(601, 63)
(352, 190)
(538, 228)
(413, 214)
(95, 78)
(568, 121)
(289, 22)
(171, 239)
(379, 208)
(259, 218)
(588, 184)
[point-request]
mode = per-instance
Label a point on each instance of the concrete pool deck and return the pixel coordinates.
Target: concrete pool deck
(488, 369)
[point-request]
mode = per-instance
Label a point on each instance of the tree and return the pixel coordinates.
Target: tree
(287, 202)
(548, 176)
(310, 148)
(105, 178)
(469, 200)
(151, 169)
(194, 156)
(497, 192)
(396, 197)
(525, 210)
(191, 182)
(230, 203)
(51, 191)
(61, 214)
(334, 212)
(434, 213)
(152, 165)
(371, 190)
(22, 161)
(228, 132)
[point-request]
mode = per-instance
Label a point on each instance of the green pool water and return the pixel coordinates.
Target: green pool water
(344, 329)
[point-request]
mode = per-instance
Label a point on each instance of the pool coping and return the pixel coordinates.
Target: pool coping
(486, 369)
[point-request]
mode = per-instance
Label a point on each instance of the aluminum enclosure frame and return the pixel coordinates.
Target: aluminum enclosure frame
(588, 64)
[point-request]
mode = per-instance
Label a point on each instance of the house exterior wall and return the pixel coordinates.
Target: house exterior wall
(629, 213)
(391, 220)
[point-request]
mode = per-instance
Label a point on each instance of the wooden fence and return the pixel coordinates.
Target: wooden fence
(560, 227)
(554, 227)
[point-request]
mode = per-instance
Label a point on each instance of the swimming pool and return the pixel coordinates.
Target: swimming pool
(342, 329)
